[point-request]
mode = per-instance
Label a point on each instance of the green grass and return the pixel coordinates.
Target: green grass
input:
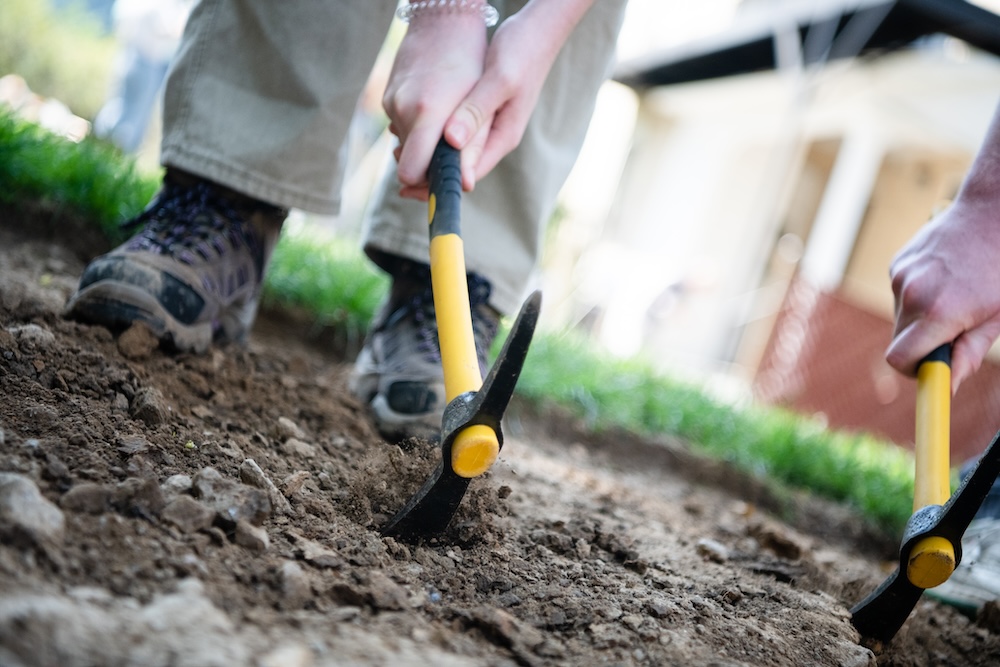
(333, 281)
(326, 276)
(90, 178)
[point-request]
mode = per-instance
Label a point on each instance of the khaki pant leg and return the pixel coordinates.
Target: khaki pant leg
(503, 219)
(262, 92)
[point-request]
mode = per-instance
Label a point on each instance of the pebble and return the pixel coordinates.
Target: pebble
(292, 655)
(138, 497)
(252, 474)
(712, 550)
(88, 498)
(295, 587)
(251, 537)
(286, 429)
(188, 515)
(26, 513)
(232, 501)
(386, 593)
(296, 447)
(33, 337)
(175, 485)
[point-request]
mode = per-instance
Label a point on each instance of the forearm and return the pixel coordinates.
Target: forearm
(982, 184)
(554, 20)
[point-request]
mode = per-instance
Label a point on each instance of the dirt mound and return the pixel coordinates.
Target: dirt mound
(165, 509)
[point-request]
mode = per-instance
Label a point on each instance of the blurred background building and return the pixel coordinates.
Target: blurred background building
(742, 194)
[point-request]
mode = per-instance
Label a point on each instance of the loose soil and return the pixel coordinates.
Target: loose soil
(223, 510)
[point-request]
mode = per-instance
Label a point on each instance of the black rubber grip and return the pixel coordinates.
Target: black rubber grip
(942, 353)
(445, 177)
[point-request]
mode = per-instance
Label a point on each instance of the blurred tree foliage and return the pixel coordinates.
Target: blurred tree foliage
(63, 53)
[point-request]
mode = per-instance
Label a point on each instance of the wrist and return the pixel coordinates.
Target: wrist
(421, 9)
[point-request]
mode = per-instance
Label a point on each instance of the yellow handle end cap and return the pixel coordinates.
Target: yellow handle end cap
(931, 563)
(475, 449)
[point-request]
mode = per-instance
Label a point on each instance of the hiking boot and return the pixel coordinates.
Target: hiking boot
(976, 580)
(398, 371)
(193, 270)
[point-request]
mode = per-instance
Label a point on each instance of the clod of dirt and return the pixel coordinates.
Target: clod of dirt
(150, 407)
(87, 498)
(137, 342)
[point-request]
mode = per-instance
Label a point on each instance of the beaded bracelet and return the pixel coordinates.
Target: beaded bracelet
(488, 12)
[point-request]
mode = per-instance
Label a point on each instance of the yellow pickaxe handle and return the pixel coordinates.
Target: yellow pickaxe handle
(933, 558)
(476, 447)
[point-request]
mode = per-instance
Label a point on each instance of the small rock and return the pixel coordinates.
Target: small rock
(660, 608)
(130, 445)
(232, 501)
(251, 537)
(315, 553)
(296, 447)
(149, 406)
(384, 593)
(853, 655)
(119, 403)
(777, 540)
(286, 429)
(503, 625)
(33, 337)
(293, 655)
(295, 587)
(137, 342)
(252, 474)
(55, 468)
(293, 483)
(138, 497)
(175, 485)
(26, 516)
(188, 515)
(88, 498)
(712, 550)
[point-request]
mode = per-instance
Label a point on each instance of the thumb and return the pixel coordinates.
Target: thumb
(466, 131)
(464, 124)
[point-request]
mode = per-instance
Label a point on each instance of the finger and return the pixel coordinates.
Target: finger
(504, 136)
(415, 156)
(470, 159)
(969, 350)
(421, 193)
(915, 342)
